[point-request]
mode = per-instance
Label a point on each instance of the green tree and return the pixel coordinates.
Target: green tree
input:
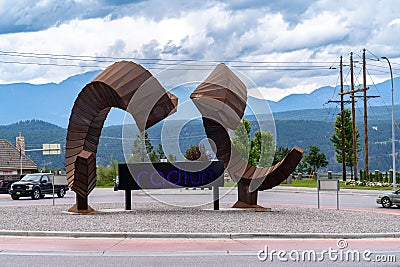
(114, 165)
(280, 153)
(336, 139)
(262, 149)
(160, 151)
(259, 151)
(101, 174)
(147, 143)
(315, 159)
(241, 141)
(302, 167)
(192, 153)
(139, 152)
(106, 175)
(154, 157)
(143, 150)
(197, 153)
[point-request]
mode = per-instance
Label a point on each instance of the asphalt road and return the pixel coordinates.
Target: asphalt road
(15, 251)
(348, 199)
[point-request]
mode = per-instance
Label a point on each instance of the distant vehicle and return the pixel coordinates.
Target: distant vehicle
(5, 184)
(116, 183)
(36, 185)
(389, 199)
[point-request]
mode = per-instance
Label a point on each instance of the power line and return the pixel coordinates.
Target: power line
(181, 68)
(160, 64)
(96, 58)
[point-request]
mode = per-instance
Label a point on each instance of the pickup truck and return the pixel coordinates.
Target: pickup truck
(5, 183)
(36, 185)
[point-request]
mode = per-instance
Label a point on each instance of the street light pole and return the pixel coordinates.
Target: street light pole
(393, 137)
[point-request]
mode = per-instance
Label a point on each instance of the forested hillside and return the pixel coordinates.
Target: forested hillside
(303, 133)
(36, 133)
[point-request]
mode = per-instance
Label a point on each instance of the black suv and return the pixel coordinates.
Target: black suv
(36, 185)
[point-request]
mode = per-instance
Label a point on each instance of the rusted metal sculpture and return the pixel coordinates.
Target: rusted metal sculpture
(221, 99)
(123, 85)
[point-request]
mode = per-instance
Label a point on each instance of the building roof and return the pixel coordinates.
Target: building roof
(9, 157)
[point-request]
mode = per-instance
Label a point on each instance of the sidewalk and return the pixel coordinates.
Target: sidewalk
(163, 246)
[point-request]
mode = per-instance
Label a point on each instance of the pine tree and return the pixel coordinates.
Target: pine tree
(139, 153)
(160, 151)
(262, 149)
(241, 141)
(336, 138)
(142, 149)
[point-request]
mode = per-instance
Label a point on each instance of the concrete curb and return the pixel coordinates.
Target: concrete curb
(151, 235)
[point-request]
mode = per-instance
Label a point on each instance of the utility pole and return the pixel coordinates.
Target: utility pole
(342, 130)
(365, 118)
(352, 91)
(364, 89)
(353, 118)
(342, 121)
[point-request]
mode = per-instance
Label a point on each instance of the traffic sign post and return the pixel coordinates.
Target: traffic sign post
(328, 185)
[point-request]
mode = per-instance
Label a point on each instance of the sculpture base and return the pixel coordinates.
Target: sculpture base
(243, 205)
(245, 196)
(74, 209)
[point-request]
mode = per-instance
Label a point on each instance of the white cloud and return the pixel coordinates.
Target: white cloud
(275, 31)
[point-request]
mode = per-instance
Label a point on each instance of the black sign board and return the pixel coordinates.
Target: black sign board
(162, 175)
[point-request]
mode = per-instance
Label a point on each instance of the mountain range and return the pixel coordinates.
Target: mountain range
(53, 102)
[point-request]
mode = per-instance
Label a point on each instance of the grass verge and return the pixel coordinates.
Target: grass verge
(313, 184)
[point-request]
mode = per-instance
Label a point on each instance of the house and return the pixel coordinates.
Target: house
(10, 163)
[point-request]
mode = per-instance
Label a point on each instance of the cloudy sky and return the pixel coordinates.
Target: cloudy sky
(285, 46)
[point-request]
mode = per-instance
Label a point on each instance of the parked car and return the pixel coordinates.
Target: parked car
(389, 199)
(36, 186)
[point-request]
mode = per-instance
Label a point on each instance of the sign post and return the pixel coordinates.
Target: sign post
(328, 185)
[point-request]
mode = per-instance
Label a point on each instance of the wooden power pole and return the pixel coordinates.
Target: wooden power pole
(342, 121)
(342, 130)
(365, 117)
(353, 113)
(364, 89)
(353, 116)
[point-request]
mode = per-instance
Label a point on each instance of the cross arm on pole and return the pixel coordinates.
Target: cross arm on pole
(354, 91)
